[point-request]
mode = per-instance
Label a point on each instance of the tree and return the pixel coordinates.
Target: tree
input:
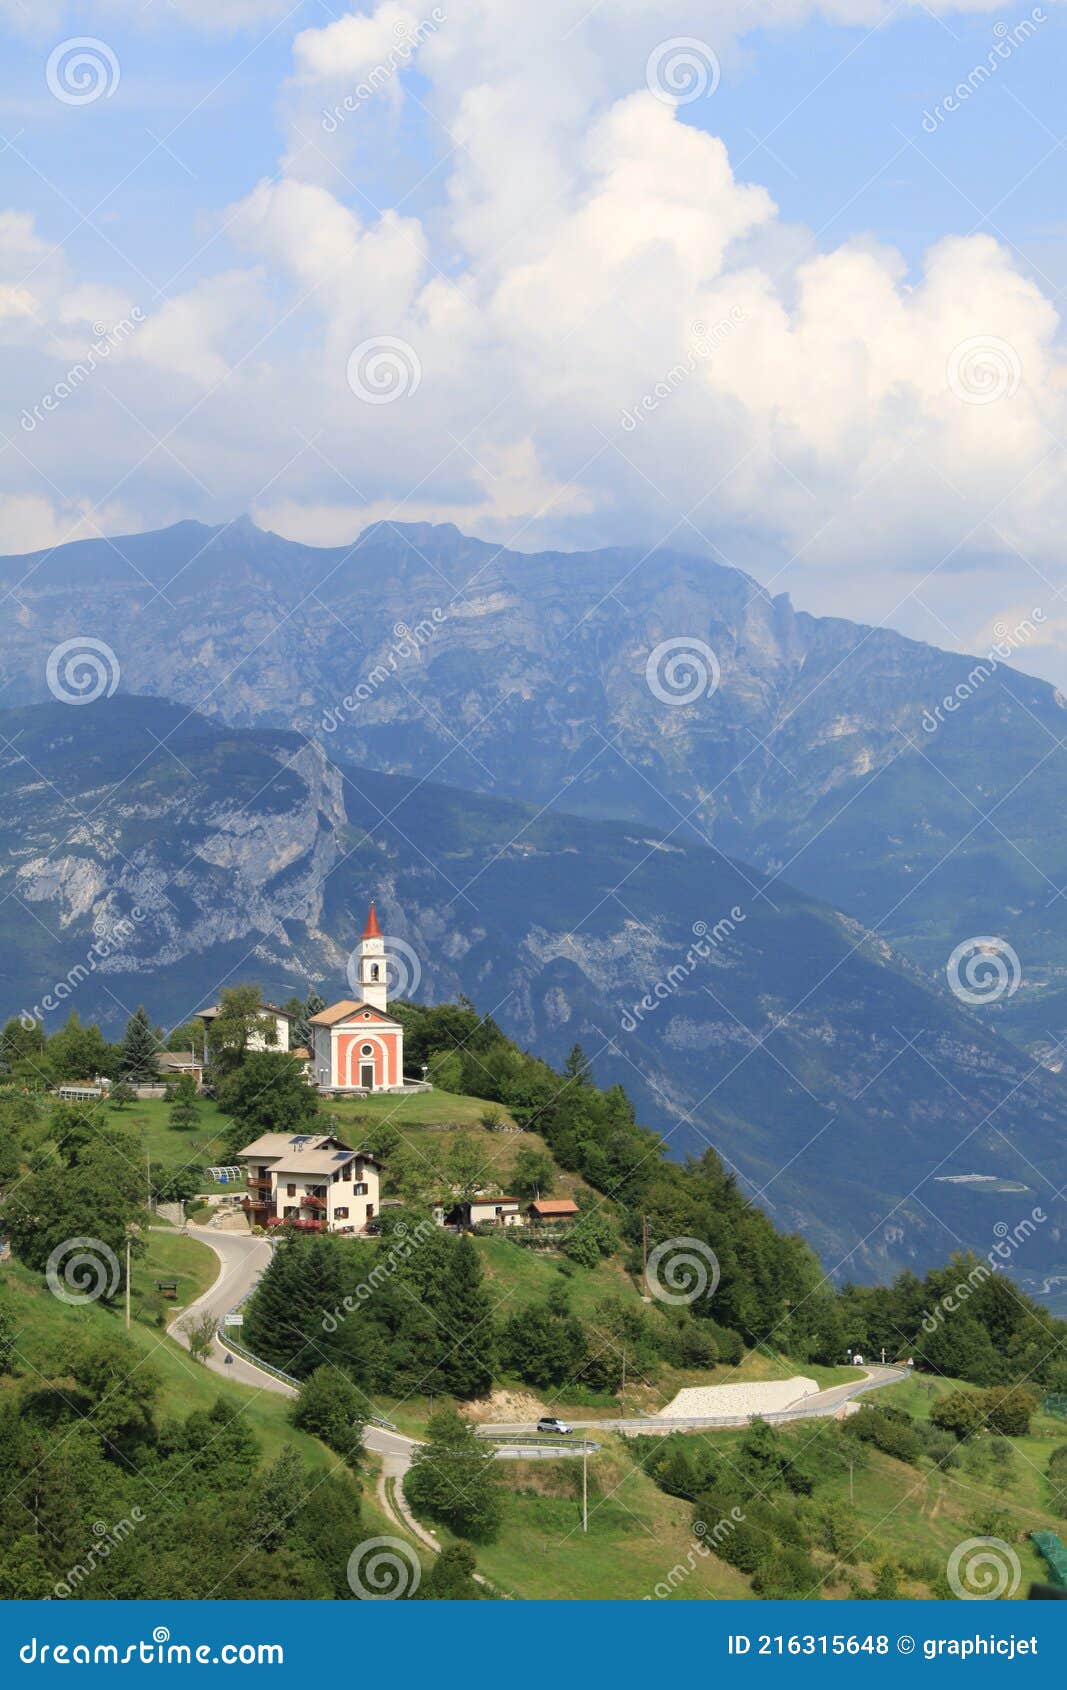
(467, 1366)
(451, 1577)
(121, 1095)
(119, 1388)
(330, 1407)
(267, 1093)
(454, 1478)
(491, 1118)
(97, 1199)
(185, 1109)
(177, 1185)
(200, 1332)
(137, 1058)
(80, 1053)
(187, 1035)
(302, 1013)
(466, 1164)
(21, 1043)
(534, 1173)
(232, 1029)
(7, 1339)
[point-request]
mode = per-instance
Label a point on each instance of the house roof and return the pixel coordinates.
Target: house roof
(372, 930)
(301, 1053)
(484, 1199)
(321, 1159)
(555, 1206)
(348, 1010)
(178, 1059)
(280, 1144)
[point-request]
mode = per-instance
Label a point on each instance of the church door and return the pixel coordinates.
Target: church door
(366, 1075)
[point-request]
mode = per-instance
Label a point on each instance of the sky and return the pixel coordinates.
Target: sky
(777, 283)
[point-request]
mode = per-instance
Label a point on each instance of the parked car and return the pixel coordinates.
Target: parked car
(548, 1423)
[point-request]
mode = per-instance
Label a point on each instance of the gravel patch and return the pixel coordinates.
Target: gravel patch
(765, 1396)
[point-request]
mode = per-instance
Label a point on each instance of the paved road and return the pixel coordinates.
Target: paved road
(242, 1260)
(820, 1405)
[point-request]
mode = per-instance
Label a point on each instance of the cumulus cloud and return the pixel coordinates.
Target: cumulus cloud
(607, 330)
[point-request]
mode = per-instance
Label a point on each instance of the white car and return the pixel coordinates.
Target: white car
(548, 1423)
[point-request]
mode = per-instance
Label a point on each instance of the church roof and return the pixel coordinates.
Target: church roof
(372, 930)
(347, 1010)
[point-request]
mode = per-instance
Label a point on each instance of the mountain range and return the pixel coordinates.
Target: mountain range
(151, 854)
(915, 789)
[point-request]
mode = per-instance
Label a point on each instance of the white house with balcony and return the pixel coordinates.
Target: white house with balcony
(310, 1182)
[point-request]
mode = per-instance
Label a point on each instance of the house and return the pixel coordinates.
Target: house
(173, 1064)
(357, 1046)
(310, 1181)
(302, 1055)
(486, 1210)
(279, 1020)
(552, 1210)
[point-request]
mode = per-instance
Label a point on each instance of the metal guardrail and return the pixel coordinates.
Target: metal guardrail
(287, 1378)
(526, 1441)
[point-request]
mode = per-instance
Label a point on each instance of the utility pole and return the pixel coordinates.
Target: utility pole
(851, 1491)
(883, 1355)
(129, 1241)
(585, 1484)
(644, 1256)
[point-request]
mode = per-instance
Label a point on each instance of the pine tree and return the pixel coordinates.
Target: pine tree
(466, 1312)
(185, 1110)
(137, 1059)
(121, 1094)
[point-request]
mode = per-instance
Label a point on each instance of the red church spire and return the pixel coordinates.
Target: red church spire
(372, 930)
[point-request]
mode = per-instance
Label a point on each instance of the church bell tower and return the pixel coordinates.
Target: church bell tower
(373, 981)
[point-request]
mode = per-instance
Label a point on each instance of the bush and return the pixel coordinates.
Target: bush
(330, 1407)
(890, 1433)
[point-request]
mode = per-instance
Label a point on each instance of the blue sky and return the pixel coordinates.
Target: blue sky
(516, 209)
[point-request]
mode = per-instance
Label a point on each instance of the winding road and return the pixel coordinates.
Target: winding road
(243, 1259)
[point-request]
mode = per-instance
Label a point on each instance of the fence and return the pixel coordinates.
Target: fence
(1056, 1404)
(229, 1343)
(566, 1446)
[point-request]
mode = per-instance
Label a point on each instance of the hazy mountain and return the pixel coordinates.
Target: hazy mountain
(825, 753)
(857, 1104)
